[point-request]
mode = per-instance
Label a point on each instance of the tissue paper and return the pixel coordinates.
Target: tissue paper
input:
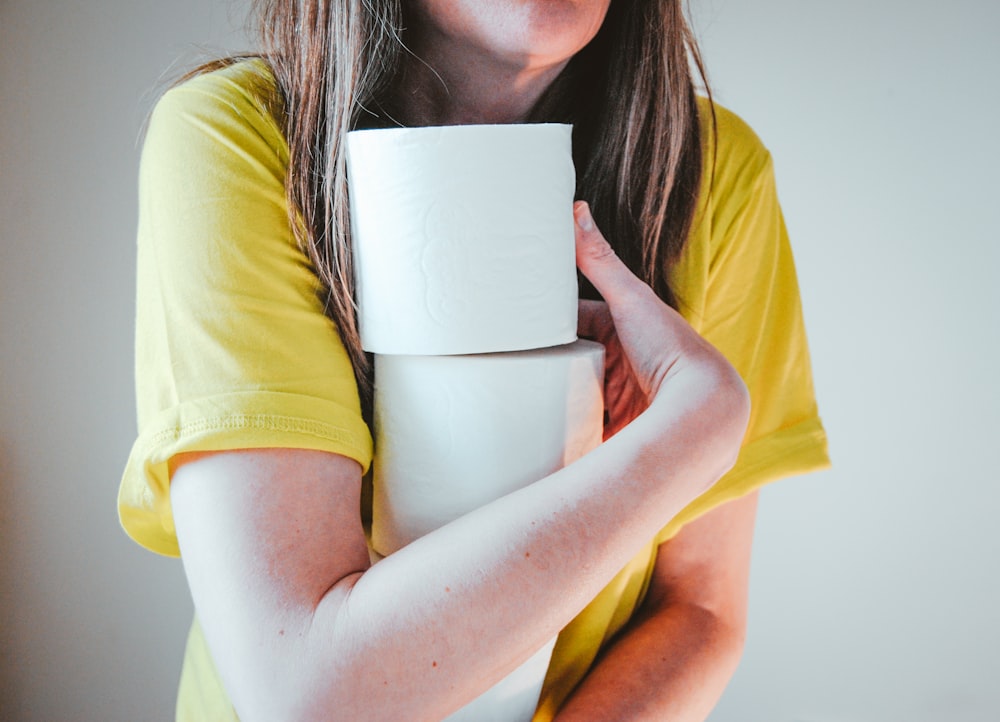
(455, 432)
(463, 238)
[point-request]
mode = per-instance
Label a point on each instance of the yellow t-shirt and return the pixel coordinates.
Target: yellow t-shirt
(737, 287)
(233, 349)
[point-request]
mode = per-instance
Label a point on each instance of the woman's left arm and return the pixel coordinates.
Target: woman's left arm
(678, 653)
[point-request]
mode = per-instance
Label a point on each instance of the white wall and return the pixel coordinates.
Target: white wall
(92, 627)
(875, 588)
(875, 584)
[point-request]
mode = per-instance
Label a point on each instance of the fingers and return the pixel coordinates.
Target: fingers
(593, 320)
(598, 261)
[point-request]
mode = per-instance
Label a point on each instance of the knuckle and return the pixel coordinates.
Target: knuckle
(598, 249)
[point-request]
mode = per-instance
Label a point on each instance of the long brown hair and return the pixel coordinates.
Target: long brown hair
(630, 95)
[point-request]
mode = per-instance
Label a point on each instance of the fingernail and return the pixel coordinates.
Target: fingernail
(583, 217)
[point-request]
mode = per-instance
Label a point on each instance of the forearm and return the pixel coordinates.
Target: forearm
(427, 628)
(529, 562)
(671, 665)
(301, 627)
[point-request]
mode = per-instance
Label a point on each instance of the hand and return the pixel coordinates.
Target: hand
(624, 399)
(646, 342)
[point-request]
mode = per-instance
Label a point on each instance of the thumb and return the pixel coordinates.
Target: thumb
(597, 260)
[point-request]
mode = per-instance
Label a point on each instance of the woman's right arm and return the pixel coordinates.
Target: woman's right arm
(302, 627)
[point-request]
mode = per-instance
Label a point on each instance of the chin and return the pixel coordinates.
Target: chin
(523, 32)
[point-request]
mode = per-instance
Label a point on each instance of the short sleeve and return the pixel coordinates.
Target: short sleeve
(233, 349)
(746, 303)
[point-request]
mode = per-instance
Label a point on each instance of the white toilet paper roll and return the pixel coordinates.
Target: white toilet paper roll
(455, 432)
(463, 238)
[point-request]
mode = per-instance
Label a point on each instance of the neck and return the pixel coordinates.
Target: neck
(438, 87)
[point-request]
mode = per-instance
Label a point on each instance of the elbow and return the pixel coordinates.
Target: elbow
(724, 636)
(288, 692)
(717, 631)
(735, 640)
(728, 634)
(732, 645)
(721, 421)
(269, 691)
(733, 417)
(306, 673)
(319, 670)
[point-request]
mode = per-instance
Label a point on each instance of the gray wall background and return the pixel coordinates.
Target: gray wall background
(875, 590)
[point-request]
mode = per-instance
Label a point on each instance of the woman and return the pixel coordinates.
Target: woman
(252, 444)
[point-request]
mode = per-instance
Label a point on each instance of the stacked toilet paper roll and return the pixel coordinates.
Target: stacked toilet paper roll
(463, 238)
(456, 432)
(466, 288)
